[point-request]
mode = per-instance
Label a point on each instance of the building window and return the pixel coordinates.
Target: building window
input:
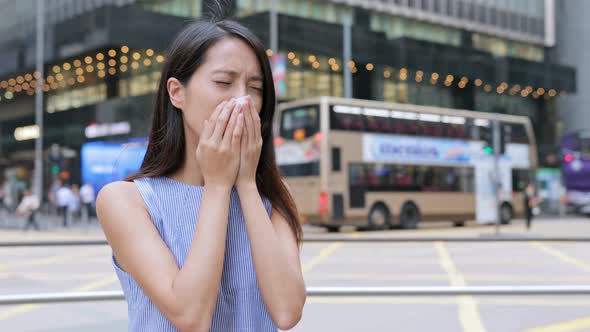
(451, 6)
(76, 98)
(437, 6)
(481, 13)
(503, 18)
(425, 5)
(184, 8)
(310, 75)
(493, 16)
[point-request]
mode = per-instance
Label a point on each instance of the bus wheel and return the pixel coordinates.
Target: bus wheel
(333, 229)
(458, 223)
(505, 214)
(379, 217)
(409, 216)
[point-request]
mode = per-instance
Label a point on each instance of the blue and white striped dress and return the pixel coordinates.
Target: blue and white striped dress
(174, 207)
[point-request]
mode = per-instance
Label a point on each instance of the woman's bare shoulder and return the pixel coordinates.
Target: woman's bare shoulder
(119, 195)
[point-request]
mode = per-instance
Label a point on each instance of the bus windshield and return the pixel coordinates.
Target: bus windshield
(302, 122)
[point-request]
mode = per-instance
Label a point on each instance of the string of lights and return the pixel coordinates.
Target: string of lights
(124, 60)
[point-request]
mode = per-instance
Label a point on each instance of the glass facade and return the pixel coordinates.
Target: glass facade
(318, 10)
(504, 47)
(522, 19)
(184, 8)
(309, 75)
(397, 26)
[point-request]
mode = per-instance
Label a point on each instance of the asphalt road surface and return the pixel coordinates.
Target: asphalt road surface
(88, 268)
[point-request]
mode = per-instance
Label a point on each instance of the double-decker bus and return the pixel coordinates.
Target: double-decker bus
(380, 165)
(575, 152)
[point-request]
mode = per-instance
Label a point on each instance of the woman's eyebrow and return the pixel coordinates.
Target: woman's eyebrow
(234, 73)
(227, 72)
(257, 78)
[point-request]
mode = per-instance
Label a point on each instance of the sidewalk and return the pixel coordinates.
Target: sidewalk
(11, 229)
(546, 226)
(52, 229)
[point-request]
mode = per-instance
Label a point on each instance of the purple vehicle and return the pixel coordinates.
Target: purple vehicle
(575, 153)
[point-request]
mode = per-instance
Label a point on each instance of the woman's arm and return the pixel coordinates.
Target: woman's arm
(276, 260)
(274, 248)
(187, 295)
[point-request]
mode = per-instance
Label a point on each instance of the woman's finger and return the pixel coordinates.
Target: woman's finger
(229, 131)
(256, 120)
(249, 121)
(245, 131)
(209, 124)
(238, 130)
(207, 129)
(222, 120)
(218, 110)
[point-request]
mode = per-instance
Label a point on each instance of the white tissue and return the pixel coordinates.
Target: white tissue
(242, 100)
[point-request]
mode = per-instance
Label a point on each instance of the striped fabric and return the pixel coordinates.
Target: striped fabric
(174, 207)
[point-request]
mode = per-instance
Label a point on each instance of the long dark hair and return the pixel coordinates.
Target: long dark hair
(166, 147)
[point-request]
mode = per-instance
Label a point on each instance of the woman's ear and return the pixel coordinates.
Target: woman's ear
(176, 92)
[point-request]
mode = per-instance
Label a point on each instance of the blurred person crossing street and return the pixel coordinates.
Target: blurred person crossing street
(28, 208)
(87, 196)
(64, 198)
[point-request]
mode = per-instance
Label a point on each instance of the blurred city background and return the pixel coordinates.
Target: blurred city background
(397, 119)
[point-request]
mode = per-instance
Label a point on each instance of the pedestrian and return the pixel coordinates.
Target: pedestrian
(530, 204)
(74, 204)
(3, 207)
(28, 208)
(52, 197)
(63, 198)
(205, 236)
(87, 198)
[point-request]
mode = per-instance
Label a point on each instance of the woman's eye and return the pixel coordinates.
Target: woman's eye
(223, 83)
(256, 88)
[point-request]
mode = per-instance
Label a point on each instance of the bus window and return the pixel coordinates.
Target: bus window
(433, 129)
(406, 127)
(380, 177)
(300, 169)
(376, 124)
(517, 133)
(356, 175)
(377, 120)
(346, 118)
(306, 118)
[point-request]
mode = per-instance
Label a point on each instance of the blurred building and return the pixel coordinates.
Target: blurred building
(573, 48)
(103, 57)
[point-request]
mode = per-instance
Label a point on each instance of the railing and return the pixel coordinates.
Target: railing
(578, 290)
(365, 239)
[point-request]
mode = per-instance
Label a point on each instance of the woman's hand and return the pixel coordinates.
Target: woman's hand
(218, 152)
(251, 146)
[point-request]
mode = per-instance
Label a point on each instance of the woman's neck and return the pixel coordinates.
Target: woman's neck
(189, 172)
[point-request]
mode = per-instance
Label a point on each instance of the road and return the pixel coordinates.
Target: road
(59, 269)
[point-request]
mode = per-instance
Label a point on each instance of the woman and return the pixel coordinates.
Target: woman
(205, 237)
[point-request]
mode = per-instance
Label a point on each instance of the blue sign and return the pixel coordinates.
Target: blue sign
(105, 162)
(414, 150)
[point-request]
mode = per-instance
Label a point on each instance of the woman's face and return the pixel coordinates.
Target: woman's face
(230, 70)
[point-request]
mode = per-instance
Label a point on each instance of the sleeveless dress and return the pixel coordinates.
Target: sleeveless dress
(174, 208)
